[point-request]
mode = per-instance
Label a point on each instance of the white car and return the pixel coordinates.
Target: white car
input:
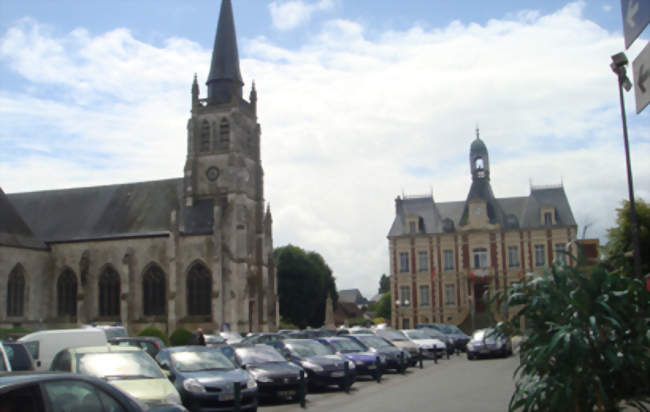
(431, 347)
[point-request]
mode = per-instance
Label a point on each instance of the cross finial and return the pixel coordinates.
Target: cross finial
(477, 132)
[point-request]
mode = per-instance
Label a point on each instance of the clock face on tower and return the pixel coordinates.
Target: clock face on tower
(212, 173)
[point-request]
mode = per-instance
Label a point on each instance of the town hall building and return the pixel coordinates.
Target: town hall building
(448, 258)
(190, 252)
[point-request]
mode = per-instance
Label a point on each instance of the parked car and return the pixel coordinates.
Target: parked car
(324, 368)
(431, 347)
(19, 357)
(44, 344)
(150, 344)
(487, 342)
(111, 331)
(275, 375)
(126, 367)
(67, 392)
(214, 339)
(380, 345)
(459, 337)
(231, 337)
(365, 361)
(261, 338)
(205, 378)
(436, 334)
(400, 340)
(5, 366)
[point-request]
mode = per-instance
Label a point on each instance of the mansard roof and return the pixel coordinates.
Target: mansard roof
(114, 211)
(526, 210)
(14, 231)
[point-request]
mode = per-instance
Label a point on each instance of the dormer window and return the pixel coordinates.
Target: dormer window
(414, 224)
(547, 217)
(412, 228)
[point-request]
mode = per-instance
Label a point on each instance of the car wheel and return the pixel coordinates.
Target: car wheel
(470, 356)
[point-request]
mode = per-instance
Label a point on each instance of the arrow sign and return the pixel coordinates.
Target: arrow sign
(641, 68)
(636, 15)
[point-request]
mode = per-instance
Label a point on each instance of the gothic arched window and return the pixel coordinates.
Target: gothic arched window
(66, 294)
(16, 292)
(224, 131)
(109, 293)
(205, 137)
(153, 291)
(199, 287)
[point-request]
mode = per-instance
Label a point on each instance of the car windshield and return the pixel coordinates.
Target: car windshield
(307, 348)
(258, 354)
(374, 341)
(486, 335)
(451, 329)
(432, 333)
(393, 335)
(347, 346)
(119, 365)
(416, 334)
(205, 360)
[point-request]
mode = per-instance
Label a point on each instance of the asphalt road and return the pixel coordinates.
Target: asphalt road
(451, 385)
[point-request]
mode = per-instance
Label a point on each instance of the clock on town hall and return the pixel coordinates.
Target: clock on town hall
(212, 173)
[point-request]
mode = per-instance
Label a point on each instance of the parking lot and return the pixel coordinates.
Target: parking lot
(451, 385)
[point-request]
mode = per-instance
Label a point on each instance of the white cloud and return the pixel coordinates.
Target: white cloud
(288, 15)
(344, 118)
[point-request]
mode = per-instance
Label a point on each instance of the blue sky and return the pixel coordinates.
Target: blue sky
(359, 101)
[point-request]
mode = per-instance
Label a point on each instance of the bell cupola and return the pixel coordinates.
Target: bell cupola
(479, 160)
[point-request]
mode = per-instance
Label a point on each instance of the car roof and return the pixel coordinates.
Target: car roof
(190, 348)
(19, 378)
(103, 349)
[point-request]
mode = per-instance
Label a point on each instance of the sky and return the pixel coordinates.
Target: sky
(360, 101)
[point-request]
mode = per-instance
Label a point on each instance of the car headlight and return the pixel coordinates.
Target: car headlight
(470, 346)
(263, 378)
(382, 358)
(312, 365)
(358, 362)
(351, 365)
(192, 385)
(251, 383)
(173, 398)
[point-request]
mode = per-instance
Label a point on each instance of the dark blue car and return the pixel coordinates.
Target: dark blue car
(365, 361)
(394, 356)
(205, 378)
(323, 366)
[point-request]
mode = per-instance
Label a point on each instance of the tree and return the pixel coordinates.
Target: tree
(304, 282)
(383, 306)
(585, 346)
(619, 247)
(384, 284)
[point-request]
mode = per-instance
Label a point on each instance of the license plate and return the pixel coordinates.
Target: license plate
(337, 374)
(371, 366)
(286, 393)
(226, 397)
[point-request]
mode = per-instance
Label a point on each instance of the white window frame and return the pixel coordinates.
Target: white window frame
(480, 258)
(448, 260)
(403, 262)
(423, 267)
(540, 255)
(450, 294)
(405, 296)
(425, 298)
(513, 256)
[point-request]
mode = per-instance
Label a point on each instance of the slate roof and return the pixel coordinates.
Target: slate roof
(224, 70)
(526, 210)
(351, 296)
(14, 231)
(114, 211)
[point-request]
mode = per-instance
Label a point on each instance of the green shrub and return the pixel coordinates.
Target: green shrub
(379, 321)
(6, 333)
(286, 324)
(585, 345)
(180, 337)
(153, 331)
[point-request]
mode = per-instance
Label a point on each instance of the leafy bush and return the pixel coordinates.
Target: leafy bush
(7, 333)
(153, 331)
(180, 337)
(585, 345)
(379, 321)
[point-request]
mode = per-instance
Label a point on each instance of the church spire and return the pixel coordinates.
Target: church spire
(225, 81)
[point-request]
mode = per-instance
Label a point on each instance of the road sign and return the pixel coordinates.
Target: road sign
(636, 15)
(641, 68)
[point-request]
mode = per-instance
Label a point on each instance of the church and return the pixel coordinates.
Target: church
(194, 251)
(448, 258)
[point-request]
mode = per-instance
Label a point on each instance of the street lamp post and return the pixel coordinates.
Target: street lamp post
(619, 61)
